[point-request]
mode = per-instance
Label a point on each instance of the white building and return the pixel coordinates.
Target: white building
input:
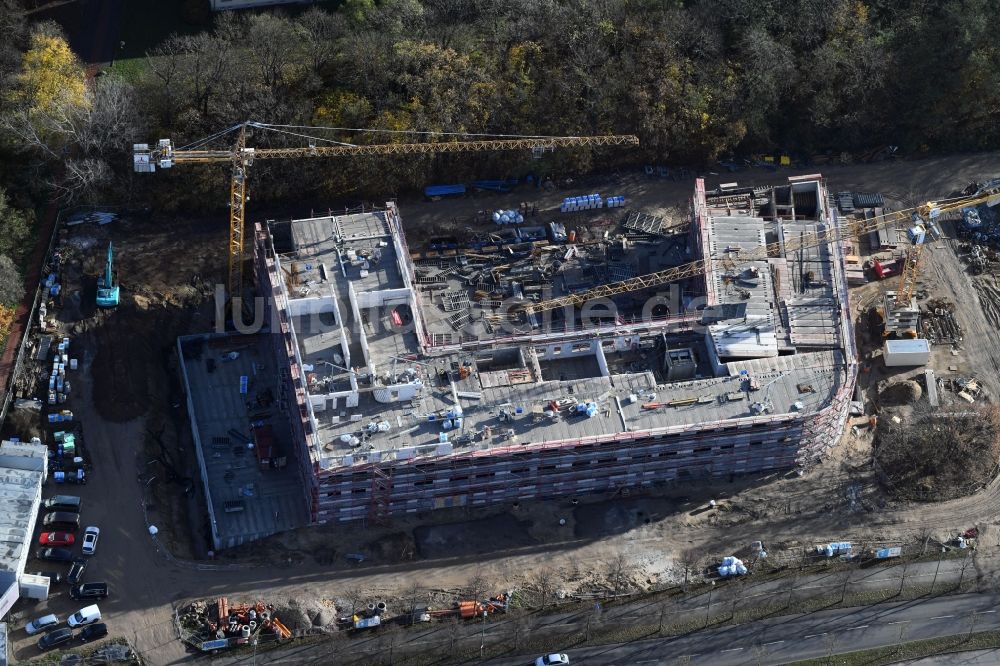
(23, 470)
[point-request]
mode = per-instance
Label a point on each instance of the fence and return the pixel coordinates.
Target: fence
(536, 624)
(26, 333)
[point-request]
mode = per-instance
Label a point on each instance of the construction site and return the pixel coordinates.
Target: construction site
(681, 372)
(393, 380)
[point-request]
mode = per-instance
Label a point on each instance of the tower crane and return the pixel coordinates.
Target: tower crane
(831, 234)
(911, 267)
(241, 157)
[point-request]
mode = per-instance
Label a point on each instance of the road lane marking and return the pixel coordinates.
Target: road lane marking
(814, 635)
(864, 626)
(993, 611)
(732, 650)
(900, 622)
(774, 642)
(941, 617)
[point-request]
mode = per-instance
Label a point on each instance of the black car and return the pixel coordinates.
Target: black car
(93, 632)
(55, 554)
(62, 520)
(76, 571)
(54, 638)
(89, 591)
(53, 576)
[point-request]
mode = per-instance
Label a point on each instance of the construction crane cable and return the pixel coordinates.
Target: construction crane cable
(304, 136)
(420, 132)
(202, 142)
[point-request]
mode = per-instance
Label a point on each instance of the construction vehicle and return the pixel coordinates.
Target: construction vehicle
(241, 157)
(107, 283)
(832, 234)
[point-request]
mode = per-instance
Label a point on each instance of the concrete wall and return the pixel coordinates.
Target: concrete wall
(299, 307)
(376, 299)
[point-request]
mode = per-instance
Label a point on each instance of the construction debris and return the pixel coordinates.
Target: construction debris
(218, 625)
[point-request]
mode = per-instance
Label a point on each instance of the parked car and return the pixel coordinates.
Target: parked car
(554, 659)
(86, 615)
(68, 503)
(55, 554)
(54, 638)
(76, 571)
(56, 539)
(90, 536)
(93, 632)
(43, 623)
(89, 591)
(62, 520)
(53, 576)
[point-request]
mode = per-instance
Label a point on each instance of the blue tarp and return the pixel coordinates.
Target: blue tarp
(443, 190)
(495, 185)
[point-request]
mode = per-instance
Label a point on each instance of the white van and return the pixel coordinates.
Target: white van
(87, 615)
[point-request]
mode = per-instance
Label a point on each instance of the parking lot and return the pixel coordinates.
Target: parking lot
(88, 569)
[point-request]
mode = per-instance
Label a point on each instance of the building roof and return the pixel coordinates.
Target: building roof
(20, 491)
(914, 346)
(779, 314)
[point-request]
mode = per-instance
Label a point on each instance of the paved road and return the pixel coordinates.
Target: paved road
(800, 636)
(145, 585)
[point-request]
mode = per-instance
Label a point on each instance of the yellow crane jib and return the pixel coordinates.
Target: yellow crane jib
(830, 234)
(164, 155)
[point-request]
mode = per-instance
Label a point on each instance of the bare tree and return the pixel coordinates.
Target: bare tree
(846, 577)
(521, 627)
(354, 597)
(544, 584)
(618, 571)
(902, 633)
(831, 647)
(689, 560)
(973, 621)
(479, 587)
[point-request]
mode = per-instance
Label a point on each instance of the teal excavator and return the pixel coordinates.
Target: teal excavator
(107, 285)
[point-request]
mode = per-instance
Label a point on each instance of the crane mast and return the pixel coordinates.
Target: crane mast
(852, 229)
(241, 157)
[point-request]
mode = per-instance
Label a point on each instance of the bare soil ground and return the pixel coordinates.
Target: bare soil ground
(166, 269)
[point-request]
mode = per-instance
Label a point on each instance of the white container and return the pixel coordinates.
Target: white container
(901, 353)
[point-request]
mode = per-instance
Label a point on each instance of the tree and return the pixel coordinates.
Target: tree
(74, 127)
(11, 283)
(619, 570)
(51, 76)
(15, 228)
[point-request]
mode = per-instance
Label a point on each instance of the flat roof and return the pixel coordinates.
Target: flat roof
(333, 240)
(781, 316)
(246, 497)
(915, 345)
(19, 491)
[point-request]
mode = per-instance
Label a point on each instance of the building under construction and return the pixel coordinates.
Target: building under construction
(390, 381)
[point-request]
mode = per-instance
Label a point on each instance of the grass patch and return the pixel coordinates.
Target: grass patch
(130, 69)
(912, 650)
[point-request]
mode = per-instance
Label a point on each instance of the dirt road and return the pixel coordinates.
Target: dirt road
(837, 500)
